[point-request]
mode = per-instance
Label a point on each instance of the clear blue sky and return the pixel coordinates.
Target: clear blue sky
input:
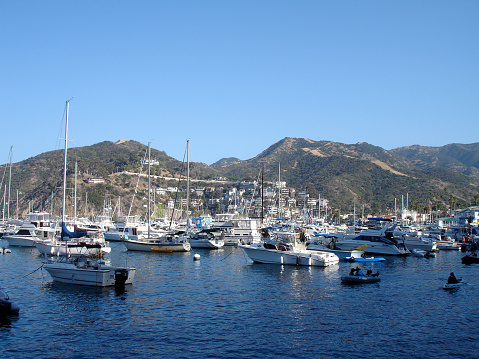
(234, 77)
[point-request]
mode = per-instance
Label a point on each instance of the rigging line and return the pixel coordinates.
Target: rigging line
(178, 186)
(33, 271)
(58, 144)
(5, 170)
(228, 254)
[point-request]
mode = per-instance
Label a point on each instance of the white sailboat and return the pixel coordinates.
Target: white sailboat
(168, 242)
(84, 271)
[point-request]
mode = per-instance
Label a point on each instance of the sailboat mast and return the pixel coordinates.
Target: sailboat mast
(75, 197)
(9, 182)
(279, 189)
(262, 197)
(149, 191)
(187, 184)
(65, 161)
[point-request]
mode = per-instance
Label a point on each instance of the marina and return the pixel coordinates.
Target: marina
(224, 305)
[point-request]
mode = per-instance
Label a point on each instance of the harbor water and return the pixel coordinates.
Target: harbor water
(225, 306)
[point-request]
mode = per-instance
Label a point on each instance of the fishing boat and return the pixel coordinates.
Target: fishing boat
(81, 270)
(85, 271)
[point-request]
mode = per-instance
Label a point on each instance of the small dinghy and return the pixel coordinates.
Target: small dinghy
(358, 279)
(365, 260)
(453, 285)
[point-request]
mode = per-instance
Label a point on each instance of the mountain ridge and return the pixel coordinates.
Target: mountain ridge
(345, 174)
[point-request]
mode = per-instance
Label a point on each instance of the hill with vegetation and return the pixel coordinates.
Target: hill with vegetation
(358, 173)
(462, 158)
(346, 174)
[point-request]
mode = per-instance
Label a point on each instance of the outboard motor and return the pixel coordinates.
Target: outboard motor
(121, 275)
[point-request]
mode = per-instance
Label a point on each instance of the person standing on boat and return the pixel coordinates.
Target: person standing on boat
(452, 279)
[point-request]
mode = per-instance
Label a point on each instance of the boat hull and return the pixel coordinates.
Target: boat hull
(359, 279)
(205, 244)
(20, 241)
(141, 246)
(372, 247)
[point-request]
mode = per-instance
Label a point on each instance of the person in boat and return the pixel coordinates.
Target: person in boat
(375, 274)
(359, 271)
(353, 271)
(452, 279)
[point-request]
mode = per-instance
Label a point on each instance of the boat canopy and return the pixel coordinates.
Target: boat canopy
(67, 233)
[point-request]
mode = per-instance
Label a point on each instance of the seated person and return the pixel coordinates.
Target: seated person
(452, 279)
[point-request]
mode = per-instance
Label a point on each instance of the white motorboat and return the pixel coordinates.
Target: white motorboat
(84, 271)
(376, 242)
(35, 227)
(327, 243)
(26, 236)
(285, 248)
(207, 238)
(285, 254)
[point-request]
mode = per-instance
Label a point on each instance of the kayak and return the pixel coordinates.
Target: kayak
(370, 259)
(357, 279)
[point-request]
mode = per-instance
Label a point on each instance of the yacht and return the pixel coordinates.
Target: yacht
(239, 230)
(284, 248)
(327, 243)
(376, 242)
(36, 226)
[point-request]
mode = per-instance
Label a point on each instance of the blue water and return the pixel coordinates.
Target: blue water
(223, 306)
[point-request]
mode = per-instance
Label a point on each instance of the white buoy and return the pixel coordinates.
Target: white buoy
(196, 257)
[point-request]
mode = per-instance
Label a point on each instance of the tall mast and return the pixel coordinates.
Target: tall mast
(262, 197)
(149, 184)
(75, 197)
(65, 161)
(279, 189)
(9, 182)
(187, 184)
